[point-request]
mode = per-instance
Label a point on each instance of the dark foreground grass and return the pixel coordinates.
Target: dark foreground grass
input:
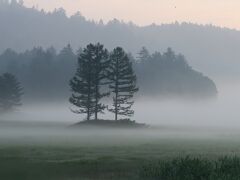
(227, 168)
(118, 155)
(77, 163)
(40, 166)
(22, 169)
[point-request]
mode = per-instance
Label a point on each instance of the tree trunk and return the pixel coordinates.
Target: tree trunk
(96, 103)
(88, 110)
(116, 100)
(88, 115)
(116, 110)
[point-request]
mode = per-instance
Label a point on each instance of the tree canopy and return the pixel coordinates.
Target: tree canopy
(87, 83)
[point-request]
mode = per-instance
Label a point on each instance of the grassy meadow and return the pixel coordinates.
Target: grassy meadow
(75, 154)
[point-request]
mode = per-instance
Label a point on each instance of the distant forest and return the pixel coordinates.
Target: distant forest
(209, 49)
(45, 73)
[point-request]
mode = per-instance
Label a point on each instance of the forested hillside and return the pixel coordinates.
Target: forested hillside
(211, 50)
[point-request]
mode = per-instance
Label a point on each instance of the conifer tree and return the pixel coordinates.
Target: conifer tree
(100, 71)
(87, 82)
(123, 83)
(10, 92)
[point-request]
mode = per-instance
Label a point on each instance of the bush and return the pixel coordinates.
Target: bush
(227, 168)
(193, 169)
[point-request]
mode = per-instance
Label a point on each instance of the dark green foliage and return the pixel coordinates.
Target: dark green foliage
(123, 83)
(87, 82)
(82, 87)
(100, 64)
(226, 168)
(10, 92)
(179, 169)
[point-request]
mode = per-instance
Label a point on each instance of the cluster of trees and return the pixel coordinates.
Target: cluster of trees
(100, 74)
(45, 73)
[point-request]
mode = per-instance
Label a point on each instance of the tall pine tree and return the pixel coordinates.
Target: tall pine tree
(100, 68)
(123, 83)
(82, 85)
(87, 82)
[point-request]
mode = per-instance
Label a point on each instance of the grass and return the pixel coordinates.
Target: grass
(118, 155)
(60, 164)
(190, 168)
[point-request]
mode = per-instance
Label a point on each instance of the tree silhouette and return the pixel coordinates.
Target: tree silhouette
(10, 92)
(100, 64)
(82, 85)
(123, 83)
(87, 82)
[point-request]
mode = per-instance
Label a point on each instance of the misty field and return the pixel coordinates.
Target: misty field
(42, 153)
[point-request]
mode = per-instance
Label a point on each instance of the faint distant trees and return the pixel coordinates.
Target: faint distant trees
(66, 60)
(143, 55)
(88, 80)
(123, 83)
(10, 92)
(169, 75)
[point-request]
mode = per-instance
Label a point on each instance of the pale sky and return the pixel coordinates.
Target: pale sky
(225, 13)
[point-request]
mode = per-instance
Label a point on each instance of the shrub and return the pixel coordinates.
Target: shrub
(188, 168)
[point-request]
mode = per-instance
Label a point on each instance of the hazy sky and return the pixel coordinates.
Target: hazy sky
(143, 12)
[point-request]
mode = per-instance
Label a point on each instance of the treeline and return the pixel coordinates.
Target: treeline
(45, 73)
(169, 75)
(211, 49)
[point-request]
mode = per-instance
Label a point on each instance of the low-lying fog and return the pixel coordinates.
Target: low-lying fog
(222, 113)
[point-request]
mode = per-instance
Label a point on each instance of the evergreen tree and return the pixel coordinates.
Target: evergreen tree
(123, 83)
(101, 62)
(10, 92)
(87, 82)
(82, 85)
